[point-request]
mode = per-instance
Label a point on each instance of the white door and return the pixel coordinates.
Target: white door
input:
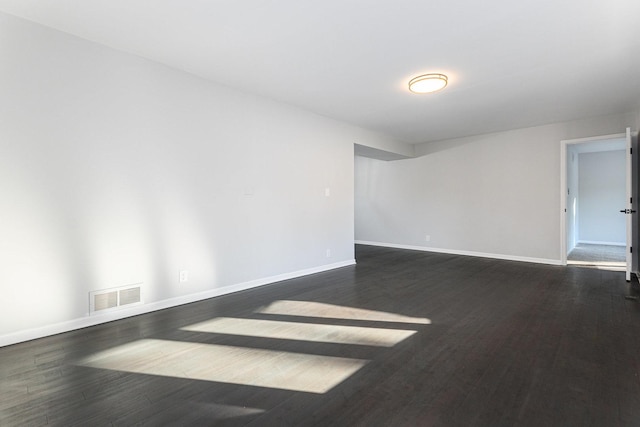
(628, 211)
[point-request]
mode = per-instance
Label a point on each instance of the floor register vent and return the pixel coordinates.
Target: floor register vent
(115, 298)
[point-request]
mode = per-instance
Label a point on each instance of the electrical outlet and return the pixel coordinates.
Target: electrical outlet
(428, 238)
(327, 192)
(328, 253)
(184, 276)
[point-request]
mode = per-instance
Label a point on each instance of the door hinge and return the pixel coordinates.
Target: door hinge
(631, 249)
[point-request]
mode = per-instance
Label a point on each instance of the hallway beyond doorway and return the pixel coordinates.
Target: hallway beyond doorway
(607, 257)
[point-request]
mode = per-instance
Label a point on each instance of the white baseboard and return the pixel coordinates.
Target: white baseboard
(466, 253)
(96, 319)
(595, 242)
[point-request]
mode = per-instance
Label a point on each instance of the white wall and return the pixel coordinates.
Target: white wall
(117, 170)
(602, 179)
(495, 195)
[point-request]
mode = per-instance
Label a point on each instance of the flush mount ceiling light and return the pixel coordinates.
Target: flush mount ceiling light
(427, 83)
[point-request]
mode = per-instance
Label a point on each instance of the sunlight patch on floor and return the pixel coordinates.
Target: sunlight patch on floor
(331, 311)
(302, 331)
(227, 364)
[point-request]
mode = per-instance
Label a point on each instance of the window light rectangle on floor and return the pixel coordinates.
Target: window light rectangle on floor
(338, 334)
(228, 364)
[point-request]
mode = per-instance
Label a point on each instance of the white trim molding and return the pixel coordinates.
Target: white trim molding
(593, 242)
(58, 328)
(465, 253)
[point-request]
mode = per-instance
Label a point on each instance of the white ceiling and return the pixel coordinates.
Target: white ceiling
(511, 64)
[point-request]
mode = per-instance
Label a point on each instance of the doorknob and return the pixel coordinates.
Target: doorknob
(628, 211)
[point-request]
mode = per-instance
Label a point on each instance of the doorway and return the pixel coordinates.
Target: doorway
(595, 189)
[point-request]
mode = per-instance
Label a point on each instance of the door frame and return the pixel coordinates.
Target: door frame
(564, 146)
(629, 218)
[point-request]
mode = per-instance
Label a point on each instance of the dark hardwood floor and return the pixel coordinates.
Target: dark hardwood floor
(404, 338)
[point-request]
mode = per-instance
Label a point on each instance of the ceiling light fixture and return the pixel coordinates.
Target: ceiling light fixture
(427, 83)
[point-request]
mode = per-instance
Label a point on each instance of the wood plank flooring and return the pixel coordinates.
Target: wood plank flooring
(403, 338)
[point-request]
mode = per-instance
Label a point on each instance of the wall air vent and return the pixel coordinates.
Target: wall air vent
(129, 296)
(106, 300)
